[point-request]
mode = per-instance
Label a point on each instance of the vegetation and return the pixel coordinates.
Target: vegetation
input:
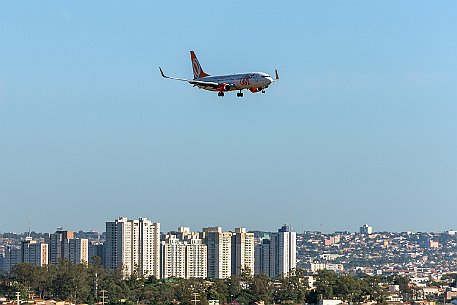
(83, 284)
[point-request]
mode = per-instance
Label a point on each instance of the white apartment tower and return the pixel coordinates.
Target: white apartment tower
(219, 247)
(173, 257)
(242, 251)
(133, 245)
(196, 258)
(149, 248)
(184, 255)
(278, 255)
(283, 246)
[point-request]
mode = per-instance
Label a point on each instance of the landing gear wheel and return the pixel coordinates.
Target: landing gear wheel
(220, 94)
(239, 94)
(263, 91)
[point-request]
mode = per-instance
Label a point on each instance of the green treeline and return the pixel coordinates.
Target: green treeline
(83, 284)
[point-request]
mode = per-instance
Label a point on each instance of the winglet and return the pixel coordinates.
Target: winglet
(161, 72)
(277, 76)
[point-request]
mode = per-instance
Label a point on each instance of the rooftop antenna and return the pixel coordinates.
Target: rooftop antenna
(28, 236)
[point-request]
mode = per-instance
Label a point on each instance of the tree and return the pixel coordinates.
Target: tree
(261, 288)
(405, 291)
(27, 275)
(348, 288)
(161, 293)
(293, 288)
(372, 290)
(325, 283)
(70, 282)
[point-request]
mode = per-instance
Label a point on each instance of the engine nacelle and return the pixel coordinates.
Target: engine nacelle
(223, 87)
(255, 89)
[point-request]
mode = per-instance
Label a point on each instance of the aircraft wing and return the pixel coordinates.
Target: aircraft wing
(196, 82)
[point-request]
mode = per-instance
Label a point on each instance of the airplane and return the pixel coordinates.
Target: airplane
(254, 81)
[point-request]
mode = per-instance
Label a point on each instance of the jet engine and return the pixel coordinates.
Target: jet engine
(223, 87)
(255, 89)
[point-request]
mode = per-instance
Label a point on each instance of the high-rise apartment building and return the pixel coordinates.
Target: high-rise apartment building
(31, 252)
(219, 252)
(149, 248)
(59, 245)
(78, 250)
(196, 258)
(64, 246)
(133, 245)
(184, 255)
(34, 252)
(12, 258)
(262, 257)
(242, 252)
(278, 256)
(114, 243)
(283, 246)
(173, 257)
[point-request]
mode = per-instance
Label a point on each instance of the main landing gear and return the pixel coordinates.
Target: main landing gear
(239, 94)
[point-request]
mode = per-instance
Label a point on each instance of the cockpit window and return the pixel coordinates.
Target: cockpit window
(266, 76)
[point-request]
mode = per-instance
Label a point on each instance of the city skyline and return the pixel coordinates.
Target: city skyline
(137, 245)
(393, 264)
(183, 251)
(360, 128)
(356, 228)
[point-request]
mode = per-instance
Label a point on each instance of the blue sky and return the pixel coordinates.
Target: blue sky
(361, 128)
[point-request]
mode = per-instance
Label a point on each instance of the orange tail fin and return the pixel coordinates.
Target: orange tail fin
(198, 71)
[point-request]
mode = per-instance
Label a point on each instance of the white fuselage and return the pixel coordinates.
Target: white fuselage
(240, 81)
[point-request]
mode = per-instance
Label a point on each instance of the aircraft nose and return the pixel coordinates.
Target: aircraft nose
(269, 79)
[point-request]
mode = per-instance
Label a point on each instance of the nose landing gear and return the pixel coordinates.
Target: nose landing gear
(239, 94)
